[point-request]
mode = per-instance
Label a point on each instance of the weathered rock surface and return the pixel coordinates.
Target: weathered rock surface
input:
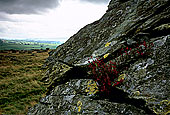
(145, 89)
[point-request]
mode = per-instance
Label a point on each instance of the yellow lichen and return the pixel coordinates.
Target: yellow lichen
(79, 108)
(107, 44)
(89, 82)
(121, 77)
(138, 30)
(79, 104)
(162, 108)
(137, 93)
(163, 27)
(106, 55)
(91, 87)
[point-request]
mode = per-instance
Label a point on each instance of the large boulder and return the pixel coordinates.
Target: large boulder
(145, 89)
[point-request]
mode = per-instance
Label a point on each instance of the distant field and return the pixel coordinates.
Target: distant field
(20, 85)
(27, 44)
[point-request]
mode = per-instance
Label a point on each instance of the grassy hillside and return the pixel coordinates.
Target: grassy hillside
(20, 86)
(27, 44)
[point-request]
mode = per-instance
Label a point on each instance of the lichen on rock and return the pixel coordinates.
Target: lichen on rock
(142, 25)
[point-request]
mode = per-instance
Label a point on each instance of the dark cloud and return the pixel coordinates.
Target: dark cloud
(26, 6)
(96, 1)
(33, 6)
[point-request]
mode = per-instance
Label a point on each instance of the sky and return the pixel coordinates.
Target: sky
(47, 19)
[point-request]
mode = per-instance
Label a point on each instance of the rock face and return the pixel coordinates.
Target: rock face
(145, 89)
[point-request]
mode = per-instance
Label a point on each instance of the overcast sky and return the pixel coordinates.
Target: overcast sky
(47, 19)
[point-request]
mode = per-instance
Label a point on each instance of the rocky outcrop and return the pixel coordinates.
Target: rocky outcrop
(145, 89)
